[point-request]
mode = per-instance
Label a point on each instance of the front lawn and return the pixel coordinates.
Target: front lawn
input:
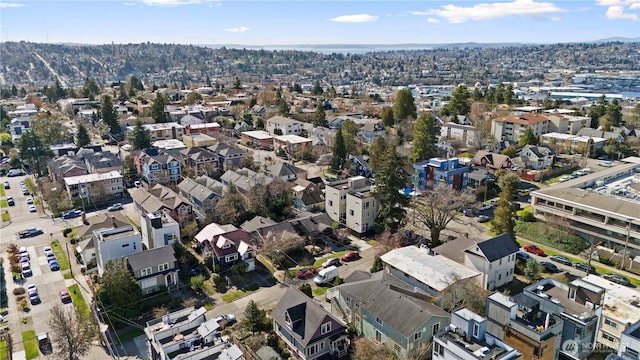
(78, 300)
(320, 290)
(551, 236)
(61, 255)
(30, 342)
(318, 263)
(235, 295)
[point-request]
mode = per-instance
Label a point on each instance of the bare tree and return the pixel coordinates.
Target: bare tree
(464, 293)
(71, 332)
(438, 207)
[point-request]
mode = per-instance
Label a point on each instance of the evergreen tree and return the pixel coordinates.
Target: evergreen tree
(547, 103)
(498, 96)
(157, 108)
(387, 117)
(404, 106)
(477, 94)
(90, 88)
(34, 151)
(237, 85)
(613, 113)
(339, 152)
(509, 96)
(119, 293)
(320, 118)
(306, 289)
(459, 103)
(83, 138)
(391, 203)
(109, 115)
(297, 88)
(317, 89)
(140, 137)
(283, 107)
(135, 83)
(504, 214)
(510, 151)
(424, 140)
(376, 152)
(254, 318)
(528, 138)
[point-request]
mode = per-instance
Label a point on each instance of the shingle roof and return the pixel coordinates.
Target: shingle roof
(151, 257)
(498, 247)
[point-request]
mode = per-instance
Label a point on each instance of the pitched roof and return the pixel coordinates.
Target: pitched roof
(523, 119)
(454, 249)
(498, 247)
(151, 257)
(400, 306)
(280, 169)
(258, 222)
(157, 198)
(305, 317)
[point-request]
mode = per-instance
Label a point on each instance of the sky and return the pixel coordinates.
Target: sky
(311, 22)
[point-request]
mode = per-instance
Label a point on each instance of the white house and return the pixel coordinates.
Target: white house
(630, 343)
(285, 125)
(466, 134)
(115, 243)
(158, 229)
(537, 157)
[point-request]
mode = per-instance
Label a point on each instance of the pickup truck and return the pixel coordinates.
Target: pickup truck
(44, 344)
(30, 232)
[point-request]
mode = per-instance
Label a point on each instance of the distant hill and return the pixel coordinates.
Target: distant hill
(618, 39)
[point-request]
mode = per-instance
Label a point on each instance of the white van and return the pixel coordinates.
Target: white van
(326, 276)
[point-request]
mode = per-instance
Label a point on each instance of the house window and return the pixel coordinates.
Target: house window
(366, 205)
(499, 277)
(476, 330)
(611, 323)
(326, 327)
(330, 202)
(417, 335)
(145, 272)
(231, 258)
(610, 338)
(378, 336)
(379, 321)
(438, 349)
(312, 349)
(322, 346)
(500, 263)
(163, 267)
(125, 245)
(572, 293)
(436, 328)
(226, 246)
(351, 212)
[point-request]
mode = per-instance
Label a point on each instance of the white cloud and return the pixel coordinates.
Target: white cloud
(175, 2)
(237, 29)
(128, 3)
(458, 14)
(617, 9)
(419, 13)
(358, 18)
(433, 20)
(11, 5)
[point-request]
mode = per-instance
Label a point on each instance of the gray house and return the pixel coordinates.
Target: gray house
(154, 269)
(388, 311)
(203, 192)
(309, 330)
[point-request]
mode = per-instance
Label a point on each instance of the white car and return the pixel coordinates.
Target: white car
(29, 201)
(47, 250)
(115, 207)
(23, 251)
(31, 288)
(32, 209)
(228, 319)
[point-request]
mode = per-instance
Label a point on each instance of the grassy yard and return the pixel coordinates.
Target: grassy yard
(29, 183)
(320, 290)
(130, 334)
(4, 352)
(78, 300)
(266, 263)
(235, 295)
(61, 255)
(30, 342)
(3, 203)
(318, 263)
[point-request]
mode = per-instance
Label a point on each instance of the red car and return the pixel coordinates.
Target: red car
(533, 249)
(350, 256)
(306, 273)
(64, 296)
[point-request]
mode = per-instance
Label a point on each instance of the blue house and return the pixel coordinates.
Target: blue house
(440, 171)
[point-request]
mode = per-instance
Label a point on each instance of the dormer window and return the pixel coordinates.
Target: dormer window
(287, 320)
(325, 328)
(572, 293)
(226, 246)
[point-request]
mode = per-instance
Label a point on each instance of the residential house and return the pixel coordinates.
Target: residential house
(466, 135)
(203, 192)
(370, 131)
(466, 338)
(201, 160)
(597, 133)
(351, 202)
(619, 310)
(155, 269)
(157, 167)
(244, 179)
(283, 171)
(230, 156)
(279, 125)
(187, 334)
(101, 162)
(210, 129)
(258, 138)
(158, 229)
(65, 166)
(198, 140)
(491, 161)
(95, 187)
(448, 172)
(308, 196)
(512, 127)
(160, 198)
(263, 229)
(293, 145)
(189, 120)
(323, 136)
(114, 243)
(565, 123)
(629, 348)
(171, 147)
(312, 226)
(19, 126)
(388, 311)
(494, 258)
(84, 234)
(431, 273)
(361, 165)
(309, 331)
(162, 131)
(228, 246)
(572, 143)
(537, 157)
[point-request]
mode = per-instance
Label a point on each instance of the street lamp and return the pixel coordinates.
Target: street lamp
(626, 243)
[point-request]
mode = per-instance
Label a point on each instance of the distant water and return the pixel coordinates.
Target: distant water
(631, 94)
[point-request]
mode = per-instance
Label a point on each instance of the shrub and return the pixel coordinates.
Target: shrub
(527, 216)
(551, 236)
(19, 291)
(66, 231)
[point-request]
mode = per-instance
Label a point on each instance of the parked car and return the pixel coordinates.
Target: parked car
(533, 249)
(25, 191)
(51, 257)
(64, 296)
(22, 251)
(72, 214)
(331, 262)
(137, 184)
(561, 259)
(26, 269)
(47, 250)
(53, 265)
(483, 218)
(584, 267)
(484, 207)
(30, 232)
(7, 185)
(10, 201)
(226, 320)
(619, 279)
(32, 208)
(15, 172)
(34, 298)
(115, 207)
(350, 256)
(549, 267)
(306, 273)
(523, 256)
(29, 200)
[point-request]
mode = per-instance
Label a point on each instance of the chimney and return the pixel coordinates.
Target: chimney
(113, 222)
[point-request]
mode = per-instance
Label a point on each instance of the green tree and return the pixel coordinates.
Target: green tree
(404, 106)
(50, 128)
(528, 138)
(532, 270)
(193, 98)
(231, 208)
(317, 89)
(90, 88)
(283, 107)
(135, 83)
(339, 156)
(477, 94)
(253, 102)
(237, 85)
(157, 108)
(34, 151)
(350, 134)
(5, 142)
(424, 140)
(82, 138)
(597, 111)
(504, 215)
(510, 151)
(377, 265)
(140, 137)
(254, 318)
(387, 117)
(119, 295)
(613, 114)
(297, 88)
(389, 180)
(196, 283)
(306, 289)
(547, 103)
(509, 96)
(459, 103)
(320, 118)
(260, 124)
(504, 177)
(71, 333)
(109, 116)
(377, 151)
